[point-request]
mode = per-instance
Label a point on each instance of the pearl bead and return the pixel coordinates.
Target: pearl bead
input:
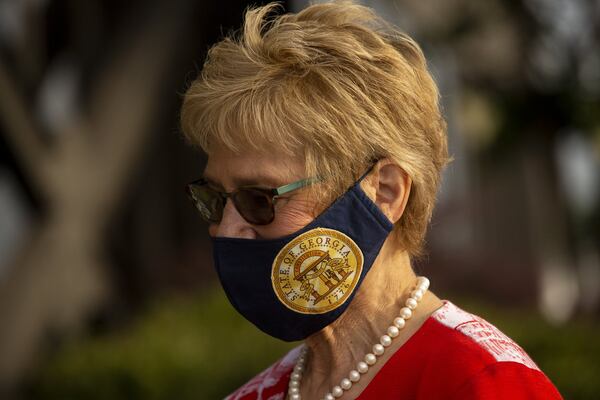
(370, 359)
(378, 349)
(346, 384)
(337, 391)
(399, 322)
(362, 367)
(405, 312)
(385, 340)
(417, 294)
(296, 376)
(411, 303)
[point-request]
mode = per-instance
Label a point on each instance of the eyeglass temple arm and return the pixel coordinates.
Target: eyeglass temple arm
(295, 185)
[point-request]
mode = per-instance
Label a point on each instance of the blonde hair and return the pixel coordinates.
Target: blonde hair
(333, 84)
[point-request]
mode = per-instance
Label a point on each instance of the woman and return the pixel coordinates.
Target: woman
(325, 146)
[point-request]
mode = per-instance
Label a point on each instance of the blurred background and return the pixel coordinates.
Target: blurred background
(106, 285)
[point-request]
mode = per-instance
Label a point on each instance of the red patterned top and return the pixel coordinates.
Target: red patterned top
(454, 355)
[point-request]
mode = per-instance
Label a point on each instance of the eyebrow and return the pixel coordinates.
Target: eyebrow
(213, 183)
(265, 181)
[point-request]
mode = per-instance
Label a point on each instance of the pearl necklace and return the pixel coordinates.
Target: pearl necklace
(370, 358)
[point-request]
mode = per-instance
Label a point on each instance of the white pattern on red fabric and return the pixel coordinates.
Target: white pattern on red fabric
(268, 378)
(486, 335)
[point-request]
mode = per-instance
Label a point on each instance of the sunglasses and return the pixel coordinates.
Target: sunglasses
(255, 204)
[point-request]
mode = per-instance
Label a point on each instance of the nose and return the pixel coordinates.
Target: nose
(232, 225)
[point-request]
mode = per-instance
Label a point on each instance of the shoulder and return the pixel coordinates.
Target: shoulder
(457, 355)
(271, 384)
(507, 380)
(480, 336)
(491, 365)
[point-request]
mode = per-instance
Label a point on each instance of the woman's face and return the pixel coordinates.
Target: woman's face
(227, 171)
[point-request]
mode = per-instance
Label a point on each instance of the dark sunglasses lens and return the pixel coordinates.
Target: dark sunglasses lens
(209, 202)
(254, 205)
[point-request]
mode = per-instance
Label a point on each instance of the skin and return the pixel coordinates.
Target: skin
(336, 349)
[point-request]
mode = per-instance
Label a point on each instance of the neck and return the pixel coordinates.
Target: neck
(337, 349)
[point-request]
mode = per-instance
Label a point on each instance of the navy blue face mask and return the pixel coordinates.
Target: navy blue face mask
(294, 286)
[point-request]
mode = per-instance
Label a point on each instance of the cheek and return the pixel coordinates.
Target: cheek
(295, 218)
(287, 220)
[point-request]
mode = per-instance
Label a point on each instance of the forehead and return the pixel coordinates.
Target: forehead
(232, 169)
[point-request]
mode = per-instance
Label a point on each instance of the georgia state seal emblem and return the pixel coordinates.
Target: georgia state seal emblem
(317, 271)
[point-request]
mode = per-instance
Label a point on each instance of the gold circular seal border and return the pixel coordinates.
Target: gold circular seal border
(313, 233)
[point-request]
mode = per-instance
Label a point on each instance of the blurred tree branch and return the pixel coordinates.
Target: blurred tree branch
(22, 132)
(60, 277)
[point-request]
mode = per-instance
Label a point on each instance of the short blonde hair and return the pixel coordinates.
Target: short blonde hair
(333, 84)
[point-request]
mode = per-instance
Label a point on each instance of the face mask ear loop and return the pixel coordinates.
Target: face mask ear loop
(369, 170)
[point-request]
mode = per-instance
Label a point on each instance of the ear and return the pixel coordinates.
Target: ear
(388, 185)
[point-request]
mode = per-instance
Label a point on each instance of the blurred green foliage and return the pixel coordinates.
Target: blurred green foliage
(194, 348)
(200, 348)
